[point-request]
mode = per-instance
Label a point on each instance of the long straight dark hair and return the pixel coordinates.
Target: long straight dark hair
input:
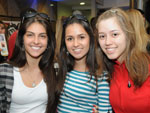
(46, 63)
(66, 62)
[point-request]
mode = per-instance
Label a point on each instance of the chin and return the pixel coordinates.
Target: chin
(111, 57)
(36, 56)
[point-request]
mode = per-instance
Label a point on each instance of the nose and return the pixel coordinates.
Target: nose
(76, 42)
(36, 40)
(108, 40)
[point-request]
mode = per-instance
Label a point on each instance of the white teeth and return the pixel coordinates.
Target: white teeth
(77, 50)
(110, 49)
(36, 48)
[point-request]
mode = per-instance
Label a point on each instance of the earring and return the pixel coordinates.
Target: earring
(67, 53)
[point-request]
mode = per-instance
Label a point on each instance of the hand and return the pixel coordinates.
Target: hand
(95, 109)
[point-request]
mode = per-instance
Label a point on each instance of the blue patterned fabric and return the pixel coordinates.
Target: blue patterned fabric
(79, 94)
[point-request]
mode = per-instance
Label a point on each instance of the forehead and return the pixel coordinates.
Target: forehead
(36, 27)
(109, 24)
(75, 27)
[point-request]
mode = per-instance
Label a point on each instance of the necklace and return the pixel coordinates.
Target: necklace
(30, 80)
(33, 84)
(33, 81)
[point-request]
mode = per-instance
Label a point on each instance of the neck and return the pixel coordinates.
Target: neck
(80, 66)
(31, 65)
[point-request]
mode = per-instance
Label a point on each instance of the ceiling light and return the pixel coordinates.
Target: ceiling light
(82, 3)
(51, 5)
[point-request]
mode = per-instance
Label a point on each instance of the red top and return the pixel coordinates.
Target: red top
(11, 43)
(128, 100)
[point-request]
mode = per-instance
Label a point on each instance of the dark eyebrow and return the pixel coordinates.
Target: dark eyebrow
(29, 32)
(43, 34)
(68, 36)
(83, 34)
(34, 33)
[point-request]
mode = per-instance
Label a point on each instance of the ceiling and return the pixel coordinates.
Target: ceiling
(75, 4)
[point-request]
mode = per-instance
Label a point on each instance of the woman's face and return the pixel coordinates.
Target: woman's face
(77, 41)
(35, 40)
(112, 39)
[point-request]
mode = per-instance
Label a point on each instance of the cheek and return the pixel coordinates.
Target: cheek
(67, 45)
(46, 43)
(87, 46)
(123, 44)
(101, 43)
(87, 43)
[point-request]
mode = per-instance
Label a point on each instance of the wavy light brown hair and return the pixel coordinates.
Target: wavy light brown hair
(136, 59)
(137, 20)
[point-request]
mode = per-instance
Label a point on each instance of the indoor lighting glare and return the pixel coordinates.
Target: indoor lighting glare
(82, 3)
(51, 5)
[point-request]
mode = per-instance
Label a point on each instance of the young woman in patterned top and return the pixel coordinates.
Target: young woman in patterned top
(81, 86)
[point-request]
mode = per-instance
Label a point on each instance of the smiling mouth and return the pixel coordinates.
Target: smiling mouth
(36, 48)
(110, 50)
(77, 50)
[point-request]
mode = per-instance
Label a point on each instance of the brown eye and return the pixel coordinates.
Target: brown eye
(69, 38)
(101, 36)
(82, 37)
(29, 35)
(115, 34)
(43, 36)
